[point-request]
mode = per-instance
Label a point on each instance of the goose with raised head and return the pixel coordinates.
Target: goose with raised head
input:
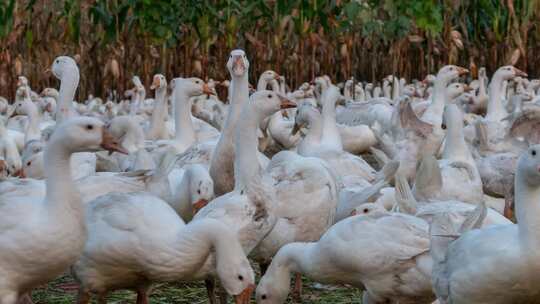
(395, 269)
(50, 231)
(126, 230)
(157, 128)
(65, 69)
(460, 177)
(222, 162)
(434, 112)
(314, 145)
(497, 264)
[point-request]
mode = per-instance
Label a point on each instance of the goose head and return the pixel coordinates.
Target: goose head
(268, 102)
(269, 76)
(22, 81)
(201, 187)
(450, 72)
(529, 166)
(64, 65)
(192, 87)
(275, 290)
(508, 72)
(238, 64)
(85, 134)
(49, 92)
(369, 209)
(159, 82)
(235, 274)
(453, 90)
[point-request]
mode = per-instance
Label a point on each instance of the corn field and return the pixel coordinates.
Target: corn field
(112, 40)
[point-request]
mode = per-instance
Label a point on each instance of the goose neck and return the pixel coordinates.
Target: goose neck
(183, 125)
(160, 110)
(527, 212)
(435, 110)
(62, 195)
(68, 87)
(239, 97)
(455, 148)
(495, 107)
(32, 130)
(312, 140)
(246, 163)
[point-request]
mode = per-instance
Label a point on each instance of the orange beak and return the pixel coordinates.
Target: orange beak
(199, 205)
(353, 213)
(206, 89)
(110, 144)
(155, 83)
(519, 72)
(238, 65)
(286, 103)
(462, 71)
(47, 71)
(467, 88)
(245, 295)
(20, 173)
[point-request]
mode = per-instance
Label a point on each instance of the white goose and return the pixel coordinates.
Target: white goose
(50, 232)
(385, 253)
(499, 264)
(126, 230)
(157, 128)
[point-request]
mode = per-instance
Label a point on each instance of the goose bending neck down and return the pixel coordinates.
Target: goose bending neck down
(51, 232)
(65, 69)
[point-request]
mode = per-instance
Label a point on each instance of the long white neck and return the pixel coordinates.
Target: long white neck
(330, 132)
(434, 112)
(495, 108)
(527, 204)
(62, 194)
(68, 86)
(184, 132)
(455, 148)
(312, 140)
(32, 130)
(134, 105)
(194, 245)
(246, 163)
(157, 122)
(221, 166)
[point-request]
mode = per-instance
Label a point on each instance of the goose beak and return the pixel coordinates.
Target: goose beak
(47, 71)
(286, 103)
(155, 83)
(353, 213)
(277, 76)
(109, 143)
(199, 205)
(462, 71)
(520, 73)
(19, 173)
(206, 89)
(245, 295)
(467, 88)
(238, 65)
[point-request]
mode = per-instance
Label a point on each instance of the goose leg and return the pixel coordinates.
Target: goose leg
(83, 297)
(25, 299)
(211, 290)
(142, 296)
(297, 291)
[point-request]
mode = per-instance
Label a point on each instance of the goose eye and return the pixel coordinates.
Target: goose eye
(263, 297)
(29, 163)
(240, 277)
(89, 127)
(533, 152)
(197, 82)
(443, 126)
(57, 61)
(269, 95)
(366, 210)
(199, 191)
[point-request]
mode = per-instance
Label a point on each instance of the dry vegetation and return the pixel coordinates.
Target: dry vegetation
(368, 39)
